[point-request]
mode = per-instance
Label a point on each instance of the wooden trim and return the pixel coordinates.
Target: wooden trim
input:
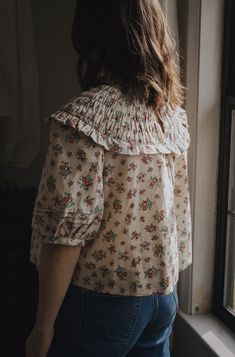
(192, 56)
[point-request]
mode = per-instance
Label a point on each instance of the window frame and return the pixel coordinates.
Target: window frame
(222, 212)
(228, 105)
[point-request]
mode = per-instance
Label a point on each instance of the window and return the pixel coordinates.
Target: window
(224, 278)
(229, 275)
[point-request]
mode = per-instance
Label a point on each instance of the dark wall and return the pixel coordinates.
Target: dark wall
(56, 57)
(56, 63)
(18, 277)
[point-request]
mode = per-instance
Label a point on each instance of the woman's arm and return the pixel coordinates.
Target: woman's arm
(57, 263)
(67, 212)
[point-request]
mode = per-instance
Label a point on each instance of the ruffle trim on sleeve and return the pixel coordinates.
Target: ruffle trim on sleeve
(52, 227)
(125, 127)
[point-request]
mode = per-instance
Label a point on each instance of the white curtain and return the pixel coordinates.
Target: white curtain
(19, 97)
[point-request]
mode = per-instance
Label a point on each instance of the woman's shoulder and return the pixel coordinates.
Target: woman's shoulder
(122, 125)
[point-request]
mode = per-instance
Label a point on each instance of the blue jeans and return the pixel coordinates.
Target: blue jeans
(91, 324)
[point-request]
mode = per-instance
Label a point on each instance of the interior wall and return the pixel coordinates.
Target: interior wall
(206, 156)
(183, 26)
(56, 57)
(56, 67)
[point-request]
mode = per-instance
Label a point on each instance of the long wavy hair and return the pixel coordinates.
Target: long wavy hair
(129, 41)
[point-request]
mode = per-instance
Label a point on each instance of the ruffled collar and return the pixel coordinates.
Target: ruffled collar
(122, 125)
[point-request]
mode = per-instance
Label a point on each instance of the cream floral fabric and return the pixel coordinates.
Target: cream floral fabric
(116, 183)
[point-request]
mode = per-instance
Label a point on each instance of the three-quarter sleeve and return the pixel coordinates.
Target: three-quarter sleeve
(183, 210)
(69, 204)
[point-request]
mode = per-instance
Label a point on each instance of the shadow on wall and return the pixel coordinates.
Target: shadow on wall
(53, 68)
(18, 277)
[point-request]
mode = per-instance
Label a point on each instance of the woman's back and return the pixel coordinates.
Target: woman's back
(120, 190)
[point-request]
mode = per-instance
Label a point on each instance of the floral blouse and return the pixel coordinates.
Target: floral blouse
(115, 182)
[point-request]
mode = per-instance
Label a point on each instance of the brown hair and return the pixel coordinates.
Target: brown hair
(131, 41)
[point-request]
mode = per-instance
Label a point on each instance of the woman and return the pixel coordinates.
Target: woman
(111, 227)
